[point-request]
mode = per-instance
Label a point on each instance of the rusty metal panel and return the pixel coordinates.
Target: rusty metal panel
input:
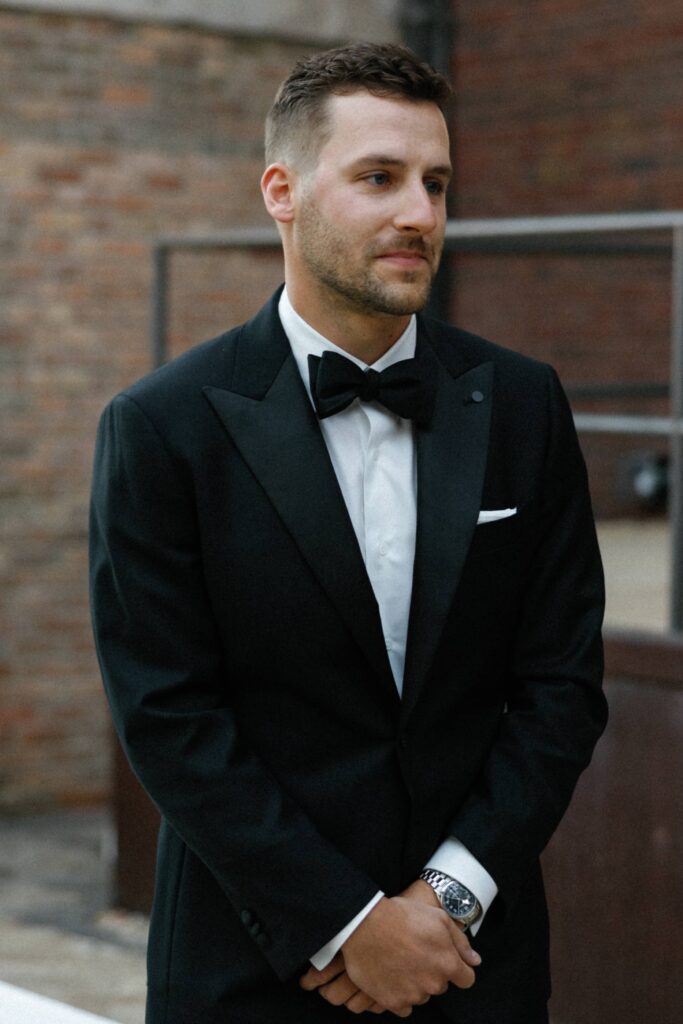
(614, 869)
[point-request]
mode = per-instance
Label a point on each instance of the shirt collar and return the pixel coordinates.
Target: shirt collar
(305, 340)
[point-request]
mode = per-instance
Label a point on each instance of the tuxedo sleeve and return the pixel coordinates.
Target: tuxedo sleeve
(555, 708)
(165, 677)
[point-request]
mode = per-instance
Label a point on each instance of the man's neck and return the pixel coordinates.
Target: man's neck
(363, 335)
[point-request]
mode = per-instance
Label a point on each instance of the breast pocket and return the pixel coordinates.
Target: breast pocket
(510, 531)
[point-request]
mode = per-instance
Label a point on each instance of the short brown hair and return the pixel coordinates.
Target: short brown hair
(296, 121)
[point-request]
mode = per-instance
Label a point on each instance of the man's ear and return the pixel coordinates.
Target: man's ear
(277, 185)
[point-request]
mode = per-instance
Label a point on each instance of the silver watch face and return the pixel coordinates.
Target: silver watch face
(458, 901)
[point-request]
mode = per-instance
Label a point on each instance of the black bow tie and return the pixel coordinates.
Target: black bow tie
(402, 388)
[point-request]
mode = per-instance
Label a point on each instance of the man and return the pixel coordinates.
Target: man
(347, 599)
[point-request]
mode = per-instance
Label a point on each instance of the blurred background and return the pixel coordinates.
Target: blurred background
(130, 140)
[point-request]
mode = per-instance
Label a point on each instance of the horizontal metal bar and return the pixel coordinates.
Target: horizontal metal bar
(580, 224)
(559, 246)
(268, 238)
(664, 426)
(500, 229)
(235, 238)
(626, 389)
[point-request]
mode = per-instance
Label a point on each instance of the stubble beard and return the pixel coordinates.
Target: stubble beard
(358, 287)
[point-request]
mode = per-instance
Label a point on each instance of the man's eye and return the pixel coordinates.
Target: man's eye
(435, 188)
(378, 178)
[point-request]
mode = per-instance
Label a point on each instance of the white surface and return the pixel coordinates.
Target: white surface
(20, 1007)
(103, 978)
(636, 556)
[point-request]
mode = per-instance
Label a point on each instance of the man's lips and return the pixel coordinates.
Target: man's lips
(404, 257)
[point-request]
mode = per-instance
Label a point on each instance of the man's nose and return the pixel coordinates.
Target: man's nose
(417, 210)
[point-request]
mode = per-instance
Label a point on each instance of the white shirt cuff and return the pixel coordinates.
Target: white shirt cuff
(328, 952)
(454, 859)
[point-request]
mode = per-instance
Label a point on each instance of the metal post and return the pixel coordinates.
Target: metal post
(676, 484)
(159, 304)
(427, 29)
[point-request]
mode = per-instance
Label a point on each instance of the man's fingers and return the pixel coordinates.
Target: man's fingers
(313, 978)
(462, 944)
(472, 957)
(459, 973)
(339, 991)
(359, 1003)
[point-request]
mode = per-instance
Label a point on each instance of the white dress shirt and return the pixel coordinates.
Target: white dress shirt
(373, 454)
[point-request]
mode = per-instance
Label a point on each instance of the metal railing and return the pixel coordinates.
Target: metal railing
(619, 234)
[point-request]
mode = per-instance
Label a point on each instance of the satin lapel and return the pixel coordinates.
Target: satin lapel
(451, 461)
(279, 438)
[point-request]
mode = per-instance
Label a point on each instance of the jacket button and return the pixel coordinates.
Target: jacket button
(262, 940)
(247, 918)
(477, 396)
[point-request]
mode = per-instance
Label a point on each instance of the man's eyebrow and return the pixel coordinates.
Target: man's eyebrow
(383, 160)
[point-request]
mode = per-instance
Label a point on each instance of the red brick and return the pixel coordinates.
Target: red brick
(170, 182)
(60, 174)
(126, 95)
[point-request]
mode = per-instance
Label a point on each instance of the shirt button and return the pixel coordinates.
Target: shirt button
(389, 645)
(383, 549)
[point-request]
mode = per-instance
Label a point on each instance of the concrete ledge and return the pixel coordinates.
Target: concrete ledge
(317, 21)
(20, 1007)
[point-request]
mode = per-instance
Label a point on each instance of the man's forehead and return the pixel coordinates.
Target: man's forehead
(354, 98)
(351, 114)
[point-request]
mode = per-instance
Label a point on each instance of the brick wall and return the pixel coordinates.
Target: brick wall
(112, 133)
(572, 107)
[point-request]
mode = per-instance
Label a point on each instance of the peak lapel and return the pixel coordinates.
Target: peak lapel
(451, 462)
(278, 436)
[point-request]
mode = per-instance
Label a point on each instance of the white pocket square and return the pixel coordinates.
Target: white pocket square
(490, 516)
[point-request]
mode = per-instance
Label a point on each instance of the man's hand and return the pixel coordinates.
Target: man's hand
(334, 985)
(405, 951)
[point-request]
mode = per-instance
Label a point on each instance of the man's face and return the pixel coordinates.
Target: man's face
(369, 226)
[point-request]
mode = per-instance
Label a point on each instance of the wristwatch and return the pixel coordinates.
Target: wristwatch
(455, 898)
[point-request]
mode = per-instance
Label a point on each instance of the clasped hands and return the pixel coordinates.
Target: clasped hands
(404, 952)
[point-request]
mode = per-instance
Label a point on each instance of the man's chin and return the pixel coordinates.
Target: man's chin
(379, 297)
(406, 300)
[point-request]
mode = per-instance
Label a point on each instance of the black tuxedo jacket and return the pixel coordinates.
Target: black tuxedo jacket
(242, 652)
